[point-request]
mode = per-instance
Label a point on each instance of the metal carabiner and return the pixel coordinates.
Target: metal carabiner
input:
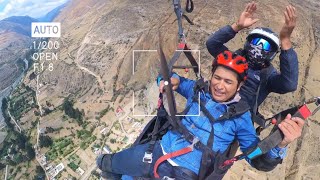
(147, 158)
(194, 141)
(317, 102)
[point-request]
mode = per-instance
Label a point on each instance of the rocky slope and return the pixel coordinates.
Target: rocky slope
(15, 41)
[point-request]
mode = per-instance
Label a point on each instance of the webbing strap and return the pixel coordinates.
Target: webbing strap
(176, 55)
(168, 156)
(206, 112)
(192, 61)
(263, 80)
(189, 6)
(277, 136)
(166, 74)
(303, 112)
(183, 47)
(207, 156)
(235, 110)
(256, 117)
(178, 11)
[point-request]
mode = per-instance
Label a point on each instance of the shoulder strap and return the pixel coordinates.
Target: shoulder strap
(200, 85)
(256, 116)
(264, 75)
(240, 52)
(235, 110)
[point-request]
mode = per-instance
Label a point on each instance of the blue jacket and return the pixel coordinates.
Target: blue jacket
(283, 82)
(225, 132)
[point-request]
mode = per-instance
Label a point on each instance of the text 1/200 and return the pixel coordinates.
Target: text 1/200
(46, 45)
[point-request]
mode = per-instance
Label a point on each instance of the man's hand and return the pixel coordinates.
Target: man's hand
(174, 82)
(291, 128)
(287, 28)
(246, 18)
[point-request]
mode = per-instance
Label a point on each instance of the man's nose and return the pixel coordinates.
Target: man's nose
(220, 85)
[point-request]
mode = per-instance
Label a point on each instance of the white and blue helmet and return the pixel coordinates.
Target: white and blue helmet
(261, 47)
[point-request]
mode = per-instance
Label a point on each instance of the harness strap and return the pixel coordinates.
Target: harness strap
(199, 85)
(148, 154)
(175, 56)
(161, 114)
(188, 19)
(277, 136)
(182, 47)
(192, 60)
(159, 133)
(179, 12)
(206, 112)
(235, 110)
(207, 156)
(271, 141)
(168, 156)
(278, 118)
(256, 116)
(194, 143)
(189, 6)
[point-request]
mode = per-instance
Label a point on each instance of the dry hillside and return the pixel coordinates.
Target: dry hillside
(96, 58)
(15, 41)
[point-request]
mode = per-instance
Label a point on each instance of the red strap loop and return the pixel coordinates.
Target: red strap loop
(168, 156)
(182, 46)
(304, 111)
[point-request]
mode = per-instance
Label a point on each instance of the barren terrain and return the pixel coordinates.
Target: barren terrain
(99, 71)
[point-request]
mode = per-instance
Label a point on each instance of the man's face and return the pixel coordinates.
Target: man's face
(258, 51)
(224, 84)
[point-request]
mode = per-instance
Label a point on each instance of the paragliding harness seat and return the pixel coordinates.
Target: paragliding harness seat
(214, 165)
(160, 124)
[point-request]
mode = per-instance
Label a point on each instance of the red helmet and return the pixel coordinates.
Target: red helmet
(233, 62)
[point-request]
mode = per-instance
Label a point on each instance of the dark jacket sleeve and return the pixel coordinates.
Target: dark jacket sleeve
(263, 163)
(217, 39)
(287, 80)
(247, 138)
